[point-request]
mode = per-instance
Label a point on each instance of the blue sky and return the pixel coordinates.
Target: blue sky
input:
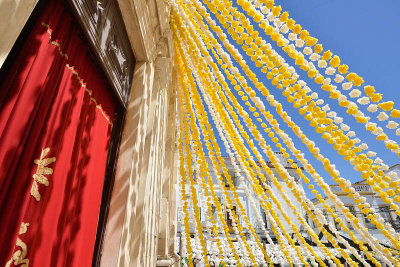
(365, 35)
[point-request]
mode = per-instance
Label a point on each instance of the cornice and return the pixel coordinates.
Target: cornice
(147, 24)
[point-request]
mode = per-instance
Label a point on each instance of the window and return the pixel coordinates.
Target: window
(325, 212)
(310, 221)
(337, 226)
(367, 222)
(229, 221)
(233, 179)
(385, 213)
(265, 220)
(352, 210)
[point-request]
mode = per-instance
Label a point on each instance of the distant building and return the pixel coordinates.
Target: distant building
(246, 202)
(372, 198)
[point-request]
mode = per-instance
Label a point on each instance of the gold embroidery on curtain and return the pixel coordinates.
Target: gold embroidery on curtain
(42, 170)
(76, 74)
(18, 257)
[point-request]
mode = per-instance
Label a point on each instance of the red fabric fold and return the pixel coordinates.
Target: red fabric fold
(44, 104)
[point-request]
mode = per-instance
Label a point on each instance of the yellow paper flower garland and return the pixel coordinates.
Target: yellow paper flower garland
(361, 164)
(220, 113)
(334, 61)
(340, 137)
(209, 179)
(280, 113)
(229, 202)
(203, 183)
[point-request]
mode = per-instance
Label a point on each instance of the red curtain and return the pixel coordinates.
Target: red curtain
(55, 127)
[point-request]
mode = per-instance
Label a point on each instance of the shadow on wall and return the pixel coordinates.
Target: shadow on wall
(16, 13)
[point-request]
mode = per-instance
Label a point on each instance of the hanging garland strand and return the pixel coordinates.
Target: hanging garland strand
(203, 163)
(183, 197)
(288, 118)
(296, 33)
(261, 174)
(313, 190)
(226, 193)
(312, 207)
(274, 103)
(363, 164)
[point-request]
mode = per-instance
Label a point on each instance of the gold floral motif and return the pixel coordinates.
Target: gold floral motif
(76, 74)
(18, 257)
(42, 170)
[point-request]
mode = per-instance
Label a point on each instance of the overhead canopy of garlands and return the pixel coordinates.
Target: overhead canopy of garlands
(231, 67)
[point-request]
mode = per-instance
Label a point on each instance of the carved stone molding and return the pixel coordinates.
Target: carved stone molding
(102, 24)
(147, 23)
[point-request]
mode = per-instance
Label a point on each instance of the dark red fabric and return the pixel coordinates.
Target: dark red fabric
(44, 105)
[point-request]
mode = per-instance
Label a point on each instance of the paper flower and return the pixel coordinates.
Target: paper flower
(392, 125)
(307, 50)
(382, 116)
(355, 93)
(363, 146)
(338, 120)
(372, 108)
(300, 43)
(378, 131)
(315, 57)
(344, 127)
(330, 71)
(363, 100)
(395, 113)
(347, 86)
(326, 107)
(322, 63)
(335, 61)
(351, 134)
(343, 69)
(339, 78)
(369, 90)
(342, 98)
(332, 114)
(386, 106)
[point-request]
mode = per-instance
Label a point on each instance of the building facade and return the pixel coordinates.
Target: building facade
(375, 202)
(251, 209)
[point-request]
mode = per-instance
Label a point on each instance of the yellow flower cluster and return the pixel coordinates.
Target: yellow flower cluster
(184, 129)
